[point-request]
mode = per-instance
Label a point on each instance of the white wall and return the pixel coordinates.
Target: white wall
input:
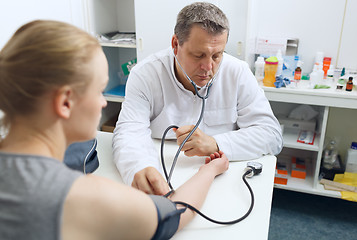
(316, 23)
(155, 21)
(15, 13)
(348, 50)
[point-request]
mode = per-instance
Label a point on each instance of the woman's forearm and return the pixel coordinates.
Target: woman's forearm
(194, 192)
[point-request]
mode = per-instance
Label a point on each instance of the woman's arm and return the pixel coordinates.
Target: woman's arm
(195, 190)
(98, 208)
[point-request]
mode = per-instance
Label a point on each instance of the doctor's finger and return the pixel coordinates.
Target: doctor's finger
(184, 130)
(158, 185)
(140, 182)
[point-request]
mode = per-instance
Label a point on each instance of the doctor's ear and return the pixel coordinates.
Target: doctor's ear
(174, 44)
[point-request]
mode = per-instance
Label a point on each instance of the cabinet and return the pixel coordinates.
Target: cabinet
(327, 103)
(104, 16)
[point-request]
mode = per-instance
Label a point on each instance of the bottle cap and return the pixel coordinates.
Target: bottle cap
(350, 78)
(272, 60)
(354, 145)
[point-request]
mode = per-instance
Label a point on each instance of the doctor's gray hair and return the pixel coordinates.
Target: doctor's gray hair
(208, 16)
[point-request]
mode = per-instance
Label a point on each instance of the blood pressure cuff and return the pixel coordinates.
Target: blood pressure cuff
(168, 216)
(82, 156)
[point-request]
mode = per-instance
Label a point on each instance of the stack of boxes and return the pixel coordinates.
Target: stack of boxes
(298, 170)
(281, 173)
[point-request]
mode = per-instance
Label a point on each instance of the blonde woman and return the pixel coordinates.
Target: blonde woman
(52, 76)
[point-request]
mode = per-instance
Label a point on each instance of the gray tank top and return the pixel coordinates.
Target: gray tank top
(32, 193)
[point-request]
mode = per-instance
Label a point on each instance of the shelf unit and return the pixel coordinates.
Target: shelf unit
(282, 101)
(108, 16)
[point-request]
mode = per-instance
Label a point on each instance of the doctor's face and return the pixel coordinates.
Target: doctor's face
(199, 56)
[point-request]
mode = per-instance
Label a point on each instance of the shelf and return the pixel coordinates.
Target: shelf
(114, 98)
(116, 94)
(320, 97)
(290, 141)
(118, 45)
(307, 185)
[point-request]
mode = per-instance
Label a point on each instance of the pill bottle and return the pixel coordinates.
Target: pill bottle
(349, 84)
(297, 73)
(270, 69)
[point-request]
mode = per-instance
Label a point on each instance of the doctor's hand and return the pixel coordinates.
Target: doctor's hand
(199, 144)
(150, 181)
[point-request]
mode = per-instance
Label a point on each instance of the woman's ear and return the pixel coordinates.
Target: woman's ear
(64, 101)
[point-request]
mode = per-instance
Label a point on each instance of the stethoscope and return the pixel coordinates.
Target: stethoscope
(253, 168)
(208, 87)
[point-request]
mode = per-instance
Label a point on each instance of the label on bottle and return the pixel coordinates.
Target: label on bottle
(297, 75)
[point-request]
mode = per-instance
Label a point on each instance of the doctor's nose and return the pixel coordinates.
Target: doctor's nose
(207, 65)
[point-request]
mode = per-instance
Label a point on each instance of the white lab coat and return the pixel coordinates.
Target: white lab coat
(237, 113)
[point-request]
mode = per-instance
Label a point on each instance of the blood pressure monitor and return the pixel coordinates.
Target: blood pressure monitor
(255, 168)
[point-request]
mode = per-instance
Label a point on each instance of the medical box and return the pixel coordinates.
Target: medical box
(298, 168)
(298, 125)
(281, 173)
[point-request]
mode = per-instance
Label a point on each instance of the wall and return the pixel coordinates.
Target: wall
(341, 127)
(15, 13)
(317, 24)
(155, 21)
(348, 51)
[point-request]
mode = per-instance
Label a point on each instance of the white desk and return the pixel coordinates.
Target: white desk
(228, 197)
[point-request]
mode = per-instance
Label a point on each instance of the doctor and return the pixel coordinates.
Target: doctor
(237, 119)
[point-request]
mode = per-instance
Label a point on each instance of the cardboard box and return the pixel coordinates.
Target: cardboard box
(109, 125)
(298, 125)
(281, 173)
(298, 168)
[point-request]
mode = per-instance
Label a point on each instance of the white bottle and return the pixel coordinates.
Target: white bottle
(351, 158)
(329, 155)
(259, 70)
(314, 77)
(280, 63)
(329, 78)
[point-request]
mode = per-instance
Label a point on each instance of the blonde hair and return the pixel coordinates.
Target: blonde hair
(42, 56)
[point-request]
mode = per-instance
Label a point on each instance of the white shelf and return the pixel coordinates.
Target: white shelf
(118, 45)
(114, 98)
(320, 97)
(290, 141)
(307, 185)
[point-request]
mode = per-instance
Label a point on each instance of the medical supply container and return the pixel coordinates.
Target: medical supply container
(270, 68)
(329, 155)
